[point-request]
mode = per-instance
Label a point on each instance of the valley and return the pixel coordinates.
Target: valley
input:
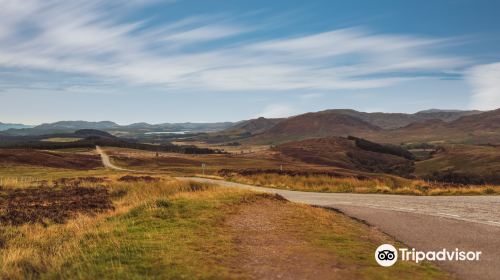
(335, 183)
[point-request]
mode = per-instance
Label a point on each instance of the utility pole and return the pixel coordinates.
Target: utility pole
(281, 167)
(203, 169)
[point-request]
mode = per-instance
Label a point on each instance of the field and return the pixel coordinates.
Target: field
(263, 168)
(62, 139)
(382, 184)
(183, 164)
(88, 224)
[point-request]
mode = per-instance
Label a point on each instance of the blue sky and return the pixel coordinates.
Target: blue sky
(206, 61)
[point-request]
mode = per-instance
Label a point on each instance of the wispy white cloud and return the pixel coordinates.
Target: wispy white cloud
(485, 82)
(90, 38)
(312, 95)
(277, 111)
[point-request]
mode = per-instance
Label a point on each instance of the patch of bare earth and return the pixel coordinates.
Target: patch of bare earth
(270, 244)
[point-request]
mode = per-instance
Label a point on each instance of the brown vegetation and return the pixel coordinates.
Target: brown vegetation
(345, 153)
(43, 205)
(376, 184)
(130, 178)
(290, 172)
(49, 159)
(313, 125)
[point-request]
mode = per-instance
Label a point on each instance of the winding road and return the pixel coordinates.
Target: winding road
(427, 223)
(107, 162)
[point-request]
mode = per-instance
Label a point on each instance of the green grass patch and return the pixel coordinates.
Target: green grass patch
(169, 238)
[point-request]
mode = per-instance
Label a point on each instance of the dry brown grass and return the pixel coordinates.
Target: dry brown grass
(32, 249)
(383, 184)
(173, 229)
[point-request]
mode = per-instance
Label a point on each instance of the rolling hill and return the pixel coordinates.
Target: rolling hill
(398, 120)
(128, 130)
(253, 126)
(349, 153)
(473, 127)
(7, 126)
(481, 128)
(465, 164)
(315, 125)
(428, 126)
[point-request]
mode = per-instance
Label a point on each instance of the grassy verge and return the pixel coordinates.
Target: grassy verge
(167, 238)
(384, 184)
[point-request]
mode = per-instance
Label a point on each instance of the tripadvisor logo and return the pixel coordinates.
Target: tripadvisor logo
(387, 255)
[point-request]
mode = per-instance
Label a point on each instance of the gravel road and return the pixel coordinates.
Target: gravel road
(107, 162)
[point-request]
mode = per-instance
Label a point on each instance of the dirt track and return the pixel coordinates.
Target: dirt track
(426, 223)
(107, 162)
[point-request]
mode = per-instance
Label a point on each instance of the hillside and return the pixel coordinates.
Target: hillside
(462, 164)
(428, 126)
(253, 126)
(398, 120)
(481, 128)
(346, 153)
(473, 127)
(485, 122)
(315, 125)
(7, 126)
(445, 115)
(76, 125)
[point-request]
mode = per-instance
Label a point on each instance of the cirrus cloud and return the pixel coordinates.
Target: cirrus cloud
(91, 39)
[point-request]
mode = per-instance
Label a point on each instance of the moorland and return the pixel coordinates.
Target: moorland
(64, 215)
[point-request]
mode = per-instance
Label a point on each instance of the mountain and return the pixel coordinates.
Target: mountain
(474, 127)
(315, 125)
(7, 126)
(487, 121)
(397, 120)
(482, 128)
(445, 115)
(425, 126)
(195, 127)
(253, 126)
(125, 130)
(76, 125)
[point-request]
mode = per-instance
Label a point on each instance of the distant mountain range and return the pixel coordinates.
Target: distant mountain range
(7, 126)
(123, 130)
(429, 125)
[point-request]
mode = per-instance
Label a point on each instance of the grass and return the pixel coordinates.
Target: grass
(33, 173)
(34, 250)
(175, 230)
(168, 238)
(62, 139)
(382, 184)
(469, 159)
(185, 164)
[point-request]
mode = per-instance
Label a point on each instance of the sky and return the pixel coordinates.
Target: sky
(220, 60)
